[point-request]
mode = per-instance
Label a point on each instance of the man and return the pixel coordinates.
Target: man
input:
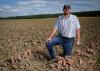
(68, 29)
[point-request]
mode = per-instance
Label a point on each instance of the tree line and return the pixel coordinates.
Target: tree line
(79, 14)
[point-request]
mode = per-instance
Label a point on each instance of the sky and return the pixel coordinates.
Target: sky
(33, 7)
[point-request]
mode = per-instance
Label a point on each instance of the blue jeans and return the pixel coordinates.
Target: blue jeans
(66, 43)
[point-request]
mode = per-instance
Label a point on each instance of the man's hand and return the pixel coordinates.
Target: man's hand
(49, 39)
(77, 43)
(52, 34)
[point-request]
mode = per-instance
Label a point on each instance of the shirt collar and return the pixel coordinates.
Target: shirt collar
(66, 17)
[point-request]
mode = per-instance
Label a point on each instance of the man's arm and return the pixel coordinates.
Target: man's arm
(78, 36)
(54, 30)
(52, 34)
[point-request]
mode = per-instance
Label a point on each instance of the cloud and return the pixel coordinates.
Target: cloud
(30, 7)
(26, 7)
(82, 5)
(35, 3)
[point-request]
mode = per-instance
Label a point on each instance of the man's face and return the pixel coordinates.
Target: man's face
(67, 11)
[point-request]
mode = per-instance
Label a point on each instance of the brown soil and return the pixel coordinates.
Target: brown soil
(22, 46)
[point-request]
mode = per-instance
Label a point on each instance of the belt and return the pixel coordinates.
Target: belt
(68, 37)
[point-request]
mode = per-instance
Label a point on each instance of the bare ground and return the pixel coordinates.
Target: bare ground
(22, 46)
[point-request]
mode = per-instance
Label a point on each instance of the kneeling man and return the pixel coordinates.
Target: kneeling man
(68, 29)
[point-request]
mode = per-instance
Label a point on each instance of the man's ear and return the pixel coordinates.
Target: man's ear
(70, 9)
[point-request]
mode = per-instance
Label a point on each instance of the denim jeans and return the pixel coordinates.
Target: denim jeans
(66, 43)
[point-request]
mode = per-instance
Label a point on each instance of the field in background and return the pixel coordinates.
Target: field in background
(22, 45)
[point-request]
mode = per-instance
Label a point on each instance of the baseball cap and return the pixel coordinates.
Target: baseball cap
(66, 6)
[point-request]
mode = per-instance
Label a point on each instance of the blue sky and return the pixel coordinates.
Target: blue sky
(32, 7)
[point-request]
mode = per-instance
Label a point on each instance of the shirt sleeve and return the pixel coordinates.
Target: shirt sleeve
(56, 24)
(77, 24)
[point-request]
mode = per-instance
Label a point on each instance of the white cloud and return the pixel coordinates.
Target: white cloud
(35, 3)
(31, 7)
(28, 7)
(7, 6)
